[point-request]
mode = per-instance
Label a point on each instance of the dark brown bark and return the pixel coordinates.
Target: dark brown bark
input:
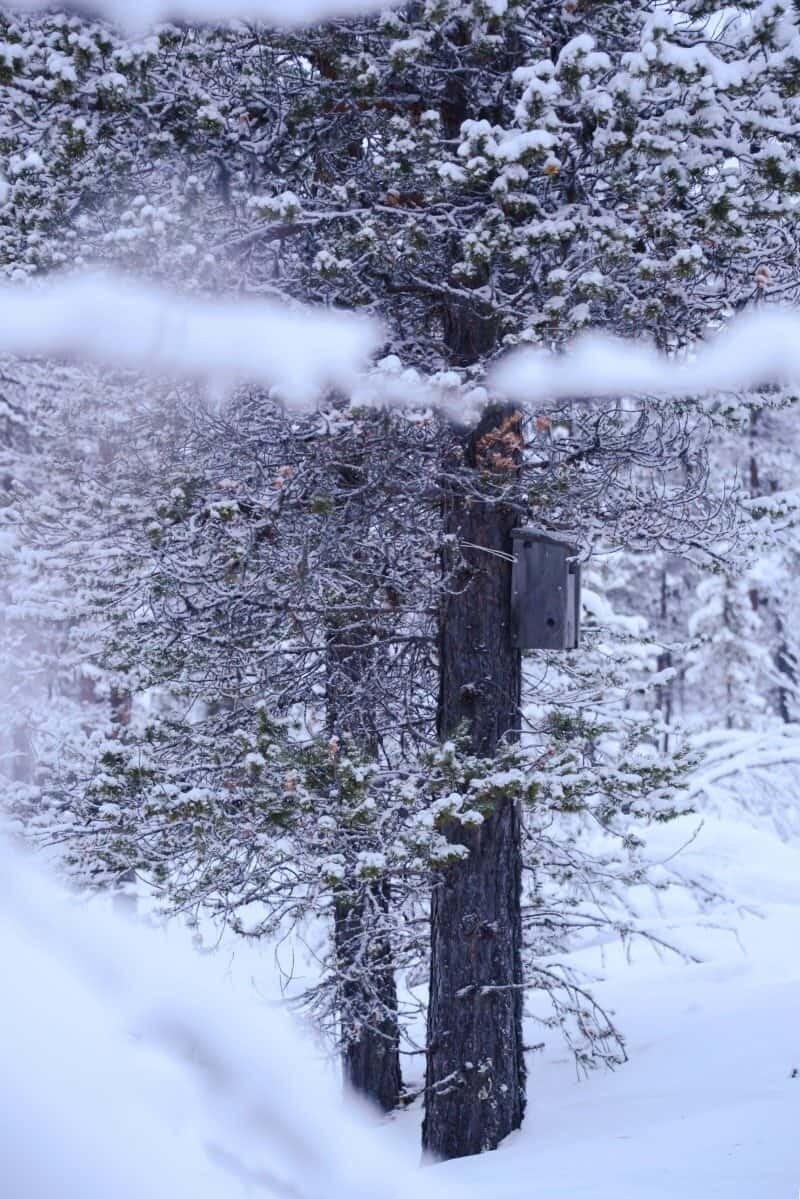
(475, 1082)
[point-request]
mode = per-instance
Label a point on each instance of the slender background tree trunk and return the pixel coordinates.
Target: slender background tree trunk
(370, 1034)
(367, 991)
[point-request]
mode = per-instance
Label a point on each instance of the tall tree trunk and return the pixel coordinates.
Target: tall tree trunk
(782, 654)
(370, 1029)
(786, 665)
(664, 691)
(475, 1072)
(475, 1081)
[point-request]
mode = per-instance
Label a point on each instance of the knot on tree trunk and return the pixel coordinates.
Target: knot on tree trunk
(473, 926)
(470, 924)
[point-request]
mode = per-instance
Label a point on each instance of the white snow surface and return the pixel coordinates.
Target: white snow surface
(134, 1066)
(707, 1106)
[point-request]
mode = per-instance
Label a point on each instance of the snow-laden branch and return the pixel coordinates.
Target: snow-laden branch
(132, 1069)
(143, 14)
(299, 351)
(111, 320)
(754, 350)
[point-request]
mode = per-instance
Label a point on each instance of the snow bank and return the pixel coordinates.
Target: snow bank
(130, 1069)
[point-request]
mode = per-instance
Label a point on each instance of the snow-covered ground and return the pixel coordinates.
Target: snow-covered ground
(117, 1034)
(135, 1068)
(707, 1106)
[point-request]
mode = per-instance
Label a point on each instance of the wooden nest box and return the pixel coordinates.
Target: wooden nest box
(545, 591)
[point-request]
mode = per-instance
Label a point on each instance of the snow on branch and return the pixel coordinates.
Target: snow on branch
(299, 351)
(115, 321)
(143, 14)
(754, 350)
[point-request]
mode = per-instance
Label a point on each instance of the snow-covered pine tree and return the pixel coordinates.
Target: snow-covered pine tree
(479, 175)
